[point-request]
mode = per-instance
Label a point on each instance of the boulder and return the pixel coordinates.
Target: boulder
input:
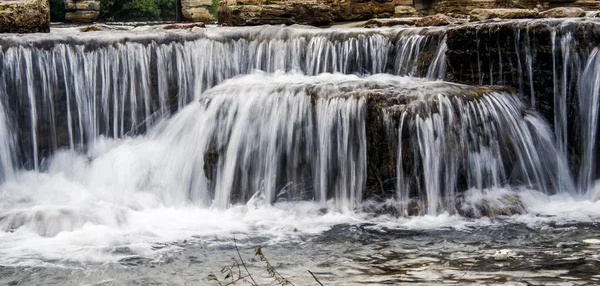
(434, 20)
(476, 204)
(82, 11)
(486, 14)
(24, 16)
(405, 11)
(563, 12)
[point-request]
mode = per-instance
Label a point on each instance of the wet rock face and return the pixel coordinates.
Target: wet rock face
(24, 16)
(86, 11)
(521, 55)
(477, 204)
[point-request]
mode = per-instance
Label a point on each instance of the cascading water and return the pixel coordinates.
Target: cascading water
(589, 96)
(74, 92)
(546, 63)
(113, 147)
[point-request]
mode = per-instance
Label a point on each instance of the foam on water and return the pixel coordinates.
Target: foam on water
(132, 196)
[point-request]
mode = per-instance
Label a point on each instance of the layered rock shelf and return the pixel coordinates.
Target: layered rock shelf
(24, 16)
(82, 11)
(197, 10)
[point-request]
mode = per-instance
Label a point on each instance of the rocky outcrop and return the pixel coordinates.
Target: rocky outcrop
(405, 11)
(435, 20)
(563, 12)
(197, 10)
(309, 12)
(375, 23)
(82, 11)
(585, 4)
(352, 10)
(24, 16)
(513, 53)
(275, 14)
(486, 14)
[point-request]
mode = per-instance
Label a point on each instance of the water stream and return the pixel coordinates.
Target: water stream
(340, 151)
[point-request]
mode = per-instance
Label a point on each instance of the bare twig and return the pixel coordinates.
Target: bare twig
(242, 261)
(519, 281)
(271, 270)
(461, 277)
(315, 277)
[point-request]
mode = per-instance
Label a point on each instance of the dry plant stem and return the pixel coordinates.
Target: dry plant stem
(519, 281)
(271, 270)
(315, 277)
(242, 261)
(461, 277)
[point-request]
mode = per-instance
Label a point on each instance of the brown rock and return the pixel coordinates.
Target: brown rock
(486, 14)
(24, 16)
(82, 11)
(404, 11)
(376, 23)
(183, 26)
(353, 10)
(587, 4)
(563, 12)
(435, 20)
(82, 16)
(83, 5)
(197, 10)
(92, 28)
(249, 15)
(311, 12)
(197, 14)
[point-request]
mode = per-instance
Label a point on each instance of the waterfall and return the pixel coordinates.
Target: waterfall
(6, 142)
(303, 125)
(475, 143)
(589, 96)
(546, 61)
(66, 92)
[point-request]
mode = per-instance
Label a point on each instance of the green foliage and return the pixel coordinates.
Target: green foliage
(138, 10)
(214, 9)
(57, 10)
(141, 10)
(168, 9)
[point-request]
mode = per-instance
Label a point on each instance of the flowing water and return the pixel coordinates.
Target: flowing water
(149, 157)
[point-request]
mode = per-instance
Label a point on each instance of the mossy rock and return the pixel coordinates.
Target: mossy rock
(24, 16)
